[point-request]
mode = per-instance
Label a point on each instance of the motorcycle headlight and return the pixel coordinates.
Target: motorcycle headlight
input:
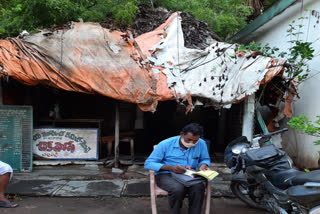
(239, 148)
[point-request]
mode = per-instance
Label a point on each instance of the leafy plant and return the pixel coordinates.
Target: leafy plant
(264, 50)
(19, 15)
(299, 53)
(126, 11)
(225, 17)
(303, 124)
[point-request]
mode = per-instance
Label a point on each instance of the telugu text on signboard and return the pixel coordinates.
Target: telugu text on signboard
(66, 143)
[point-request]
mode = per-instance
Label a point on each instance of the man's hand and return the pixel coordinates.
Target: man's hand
(178, 169)
(204, 167)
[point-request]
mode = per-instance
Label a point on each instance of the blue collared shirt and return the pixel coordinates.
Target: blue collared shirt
(169, 152)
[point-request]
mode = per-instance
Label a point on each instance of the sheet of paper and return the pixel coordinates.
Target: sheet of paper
(189, 173)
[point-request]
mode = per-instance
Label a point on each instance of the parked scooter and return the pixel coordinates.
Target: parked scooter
(263, 177)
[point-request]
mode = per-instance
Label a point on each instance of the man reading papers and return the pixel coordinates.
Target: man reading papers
(174, 156)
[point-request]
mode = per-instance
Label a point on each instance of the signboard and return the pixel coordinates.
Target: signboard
(66, 143)
(16, 125)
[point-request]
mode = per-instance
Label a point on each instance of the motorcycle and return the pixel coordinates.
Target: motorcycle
(263, 177)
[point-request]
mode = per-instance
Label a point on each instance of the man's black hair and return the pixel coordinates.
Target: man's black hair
(193, 128)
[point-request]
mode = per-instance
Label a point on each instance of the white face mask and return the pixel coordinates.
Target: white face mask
(188, 145)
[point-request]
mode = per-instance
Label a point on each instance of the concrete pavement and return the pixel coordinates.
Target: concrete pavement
(94, 180)
(92, 188)
(106, 205)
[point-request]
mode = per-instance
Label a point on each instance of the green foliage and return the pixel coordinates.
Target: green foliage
(264, 50)
(300, 52)
(126, 11)
(268, 3)
(303, 124)
(297, 55)
(225, 17)
(19, 15)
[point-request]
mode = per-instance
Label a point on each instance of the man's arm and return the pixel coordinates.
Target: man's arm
(204, 159)
(176, 169)
(154, 161)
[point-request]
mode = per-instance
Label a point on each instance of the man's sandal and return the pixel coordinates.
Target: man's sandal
(8, 204)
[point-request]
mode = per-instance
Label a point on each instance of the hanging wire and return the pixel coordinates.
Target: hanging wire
(178, 35)
(308, 26)
(61, 55)
(312, 76)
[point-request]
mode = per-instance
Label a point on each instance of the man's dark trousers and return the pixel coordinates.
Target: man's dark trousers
(177, 191)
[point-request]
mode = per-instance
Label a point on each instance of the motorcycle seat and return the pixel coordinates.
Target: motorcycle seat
(292, 177)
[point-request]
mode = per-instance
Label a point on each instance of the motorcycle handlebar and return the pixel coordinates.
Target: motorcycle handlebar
(274, 133)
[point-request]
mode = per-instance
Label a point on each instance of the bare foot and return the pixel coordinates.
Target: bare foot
(3, 199)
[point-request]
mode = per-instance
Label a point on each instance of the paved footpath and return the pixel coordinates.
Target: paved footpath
(101, 205)
(88, 189)
(97, 181)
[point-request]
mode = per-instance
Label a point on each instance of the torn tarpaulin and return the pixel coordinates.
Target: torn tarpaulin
(85, 58)
(220, 74)
(88, 58)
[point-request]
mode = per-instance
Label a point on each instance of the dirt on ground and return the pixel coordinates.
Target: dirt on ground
(54, 205)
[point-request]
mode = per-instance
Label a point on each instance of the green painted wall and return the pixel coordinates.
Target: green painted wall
(277, 8)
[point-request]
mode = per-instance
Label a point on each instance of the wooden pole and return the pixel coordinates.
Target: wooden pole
(221, 127)
(1, 96)
(248, 117)
(116, 138)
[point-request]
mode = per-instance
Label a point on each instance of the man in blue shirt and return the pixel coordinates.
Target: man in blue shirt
(176, 154)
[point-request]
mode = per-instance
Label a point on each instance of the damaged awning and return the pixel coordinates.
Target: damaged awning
(218, 76)
(85, 58)
(155, 66)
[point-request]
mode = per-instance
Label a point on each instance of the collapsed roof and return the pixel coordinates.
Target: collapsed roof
(154, 66)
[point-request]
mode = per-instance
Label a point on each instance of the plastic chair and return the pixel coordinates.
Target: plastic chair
(155, 191)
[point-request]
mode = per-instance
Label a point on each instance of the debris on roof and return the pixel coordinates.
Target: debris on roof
(197, 34)
(180, 59)
(218, 76)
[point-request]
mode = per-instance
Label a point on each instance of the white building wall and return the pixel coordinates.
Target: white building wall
(274, 32)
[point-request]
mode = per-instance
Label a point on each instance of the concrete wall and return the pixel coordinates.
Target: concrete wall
(274, 32)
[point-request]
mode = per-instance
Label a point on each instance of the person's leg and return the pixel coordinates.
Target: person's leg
(4, 181)
(176, 191)
(196, 196)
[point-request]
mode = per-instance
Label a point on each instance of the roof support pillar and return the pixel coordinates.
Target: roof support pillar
(248, 117)
(116, 137)
(1, 96)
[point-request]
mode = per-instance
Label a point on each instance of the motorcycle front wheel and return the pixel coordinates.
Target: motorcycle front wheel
(241, 191)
